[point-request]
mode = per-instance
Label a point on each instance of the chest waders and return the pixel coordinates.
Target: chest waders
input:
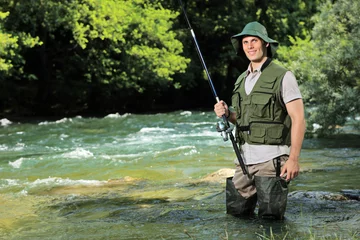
(261, 119)
(236, 204)
(272, 194)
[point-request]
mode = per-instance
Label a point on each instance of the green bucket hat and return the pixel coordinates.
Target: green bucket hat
(254, 29)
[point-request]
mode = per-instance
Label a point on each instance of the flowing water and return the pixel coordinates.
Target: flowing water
(146, 177)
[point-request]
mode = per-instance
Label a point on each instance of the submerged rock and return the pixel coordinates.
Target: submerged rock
(328, 211)
(344, 195)
(351, 194)
(317, 195)
(219, 176)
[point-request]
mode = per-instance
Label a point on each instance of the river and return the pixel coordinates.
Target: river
(146, 176)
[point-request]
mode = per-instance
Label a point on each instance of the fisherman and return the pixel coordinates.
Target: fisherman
(268, 112)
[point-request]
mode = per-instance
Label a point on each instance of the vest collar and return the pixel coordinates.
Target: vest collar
(265, 64)
(261, 68)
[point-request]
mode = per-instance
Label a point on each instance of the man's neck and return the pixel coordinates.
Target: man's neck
(257, 64)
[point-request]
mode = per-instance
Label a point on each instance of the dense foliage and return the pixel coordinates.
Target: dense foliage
(96, 57)
(327, 65)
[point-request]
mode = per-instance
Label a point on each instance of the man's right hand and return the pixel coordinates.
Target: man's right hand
(221, 108)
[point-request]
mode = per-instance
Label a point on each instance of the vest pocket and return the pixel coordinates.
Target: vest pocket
(268, 84)
(263, 106)
(266, 133)
(235, 102)
(275, 132)
(257, 133)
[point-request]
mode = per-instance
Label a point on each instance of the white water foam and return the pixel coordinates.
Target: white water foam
(186, 113)
(117, 115)
(205, 133)
(62, 136)
(17, 163)
(156, 129)
(196, 123)
(65, 182)
(23, 193)
(78, 153)
(10, 182)
(126, 158)
(3, 147)
(191, 152)
(147, 136)
(64, 120)
(19, 146)
(5, 122)
(50, 181)
(132, 155)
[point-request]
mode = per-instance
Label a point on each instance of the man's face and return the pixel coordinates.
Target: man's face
(254, 48)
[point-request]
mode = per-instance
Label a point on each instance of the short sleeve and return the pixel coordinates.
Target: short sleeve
(290, 88)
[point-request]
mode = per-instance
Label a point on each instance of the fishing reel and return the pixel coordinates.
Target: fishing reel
(223, 129)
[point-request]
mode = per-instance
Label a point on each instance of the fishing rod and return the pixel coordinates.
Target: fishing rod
(224, 126)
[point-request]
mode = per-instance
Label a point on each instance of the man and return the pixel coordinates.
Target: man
(268, 113)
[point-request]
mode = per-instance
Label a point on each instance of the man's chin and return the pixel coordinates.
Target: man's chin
(255, 59)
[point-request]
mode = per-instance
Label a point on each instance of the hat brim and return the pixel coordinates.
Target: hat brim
(236, 41)
(251, 32)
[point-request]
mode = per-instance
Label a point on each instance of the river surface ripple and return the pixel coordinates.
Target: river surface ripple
(142, 177)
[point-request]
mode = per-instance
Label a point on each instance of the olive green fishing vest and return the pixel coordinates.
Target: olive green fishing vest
(261, 116)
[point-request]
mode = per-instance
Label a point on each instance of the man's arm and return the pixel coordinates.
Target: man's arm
(295, 110)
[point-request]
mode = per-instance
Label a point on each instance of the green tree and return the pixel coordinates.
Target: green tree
(285, 18)
(11, 45)
(125, 54)
(12, 62)
(6, 41)
(328, 66)
(97, 54)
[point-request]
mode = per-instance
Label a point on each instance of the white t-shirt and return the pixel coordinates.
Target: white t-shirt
(251, 153)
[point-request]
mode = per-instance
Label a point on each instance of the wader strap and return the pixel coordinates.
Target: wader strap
(277, 166)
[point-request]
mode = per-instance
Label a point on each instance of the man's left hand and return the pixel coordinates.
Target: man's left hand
(291, 168)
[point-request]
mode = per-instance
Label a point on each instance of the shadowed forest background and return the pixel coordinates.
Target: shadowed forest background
(92, 57)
